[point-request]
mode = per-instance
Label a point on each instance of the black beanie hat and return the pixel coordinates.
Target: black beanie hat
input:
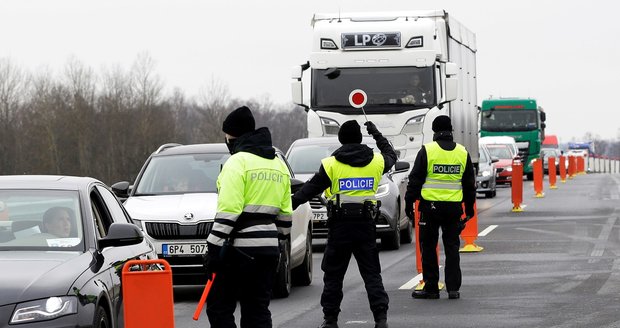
(350, 133)
(240, 121)
(442, 123)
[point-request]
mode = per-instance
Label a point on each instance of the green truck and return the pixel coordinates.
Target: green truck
(520, 118)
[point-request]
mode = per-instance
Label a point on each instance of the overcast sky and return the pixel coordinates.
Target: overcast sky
(563, 53)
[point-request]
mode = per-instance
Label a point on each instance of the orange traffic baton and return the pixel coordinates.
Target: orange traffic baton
(537, 166)
(552, 173)
(562, 168)
(147, 294)
(203, 298)
(470, 233)
(517, 185)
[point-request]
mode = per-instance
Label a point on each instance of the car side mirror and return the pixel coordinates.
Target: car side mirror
(121, 189)
(296, 184)
(401, 167)
(494, 159)
(121, 234)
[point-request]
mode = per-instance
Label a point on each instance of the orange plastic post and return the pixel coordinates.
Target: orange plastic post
(470, 233)
(581, 165)
(571, 167)
(552, 173)
(562, 168)
(203, 298)
(538, 178)
(147, 295)
(517, 185)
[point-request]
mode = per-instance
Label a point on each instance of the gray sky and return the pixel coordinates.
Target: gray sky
(563, 53)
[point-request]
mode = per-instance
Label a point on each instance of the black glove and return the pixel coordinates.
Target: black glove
(212, 264)
(295, 202)
(463, 223)
(372, 128)
(409, 209)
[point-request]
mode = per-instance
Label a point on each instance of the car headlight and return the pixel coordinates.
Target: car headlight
(383, 190)
(486, 173)
(137, 222)
(509, 168)
(45, 309)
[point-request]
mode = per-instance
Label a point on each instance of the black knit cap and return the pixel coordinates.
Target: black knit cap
(442, 123)
(240, 121)
(350, 133)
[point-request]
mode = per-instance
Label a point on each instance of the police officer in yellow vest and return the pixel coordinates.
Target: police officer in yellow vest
(253, 211)
(350, 178)
(442, 179)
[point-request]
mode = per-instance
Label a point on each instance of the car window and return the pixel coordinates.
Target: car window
(41, 219)
(500, 151)
(103, 219)
(290, 171)
(118, 215)
(483, 155)
(177, 174)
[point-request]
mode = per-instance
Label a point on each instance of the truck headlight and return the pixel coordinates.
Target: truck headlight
(383, 190)
(330, 126)
(414, 125)
(45, 309)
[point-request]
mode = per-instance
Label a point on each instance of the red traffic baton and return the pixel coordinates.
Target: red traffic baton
(203, 298)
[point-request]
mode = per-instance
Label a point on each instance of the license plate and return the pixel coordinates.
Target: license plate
(183, 249)
(319, 216)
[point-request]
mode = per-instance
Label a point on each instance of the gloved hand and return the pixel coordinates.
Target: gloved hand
(295, 202)
(463, 223)
(409, 210)
(372, 128)
(212, 264)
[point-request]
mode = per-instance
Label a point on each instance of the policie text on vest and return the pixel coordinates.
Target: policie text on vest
(446, 169)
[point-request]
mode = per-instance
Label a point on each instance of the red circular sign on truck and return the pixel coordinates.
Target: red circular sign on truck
(358, 98)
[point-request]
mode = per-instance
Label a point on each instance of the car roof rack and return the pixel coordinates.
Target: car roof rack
(166, 146)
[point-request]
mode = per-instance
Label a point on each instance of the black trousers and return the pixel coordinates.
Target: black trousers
(248, 282)
(357, 238)
(430, 222)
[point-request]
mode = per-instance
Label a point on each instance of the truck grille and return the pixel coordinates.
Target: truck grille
(165, 230)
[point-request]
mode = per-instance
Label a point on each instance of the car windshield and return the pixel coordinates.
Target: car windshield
(500, 151)
(387, 88)
(180, 174)
(307, 158)
(550, 153)
(509, 120)
(483, 155)
(40, 219)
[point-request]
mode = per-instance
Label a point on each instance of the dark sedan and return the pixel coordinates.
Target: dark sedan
(63, 243)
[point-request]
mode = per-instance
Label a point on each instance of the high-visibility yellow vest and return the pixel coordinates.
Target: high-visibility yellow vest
(353, 184)
(444, 174)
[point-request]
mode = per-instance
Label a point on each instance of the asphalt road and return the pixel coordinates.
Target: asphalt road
(556, 264)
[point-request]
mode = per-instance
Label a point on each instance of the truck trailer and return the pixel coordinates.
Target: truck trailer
(412, 65)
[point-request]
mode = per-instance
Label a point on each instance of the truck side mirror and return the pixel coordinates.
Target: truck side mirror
(452, 84)
(297, 86)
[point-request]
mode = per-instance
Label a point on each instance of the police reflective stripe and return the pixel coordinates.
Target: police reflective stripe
(256, 242)
(261, 227)
(213, 239)
(443, 181)
(265, 209)
(442, 186)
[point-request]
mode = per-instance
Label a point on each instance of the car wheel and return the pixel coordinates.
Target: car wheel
(488, 194)
(406, 235)
(392, 240)
(101, 318)
(282, 284)
(302, 275)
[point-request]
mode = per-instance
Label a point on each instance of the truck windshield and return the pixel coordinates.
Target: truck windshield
(509, 120)
(388, 88)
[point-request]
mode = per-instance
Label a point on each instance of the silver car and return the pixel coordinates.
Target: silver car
(486, 178)
(393, 226)
(174, 200)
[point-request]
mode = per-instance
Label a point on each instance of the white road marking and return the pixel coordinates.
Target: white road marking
(487, 230)
(413, 282)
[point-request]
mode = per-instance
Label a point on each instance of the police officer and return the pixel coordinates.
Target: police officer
(253, 212)
(350, 178)
(442, 178)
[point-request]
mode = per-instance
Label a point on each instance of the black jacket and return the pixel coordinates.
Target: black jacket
(356, 155)
(417, 176)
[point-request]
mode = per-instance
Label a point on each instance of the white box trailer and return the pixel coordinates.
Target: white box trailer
(384, 54)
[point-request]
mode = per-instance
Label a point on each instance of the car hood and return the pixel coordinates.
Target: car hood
(172, 207)
(30, 275)
(503, 163)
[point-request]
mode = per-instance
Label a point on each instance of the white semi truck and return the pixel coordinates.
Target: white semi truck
(413, 66)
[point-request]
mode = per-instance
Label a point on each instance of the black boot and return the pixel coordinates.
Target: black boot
(329, 322)
(381, 319)
(382, 323)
